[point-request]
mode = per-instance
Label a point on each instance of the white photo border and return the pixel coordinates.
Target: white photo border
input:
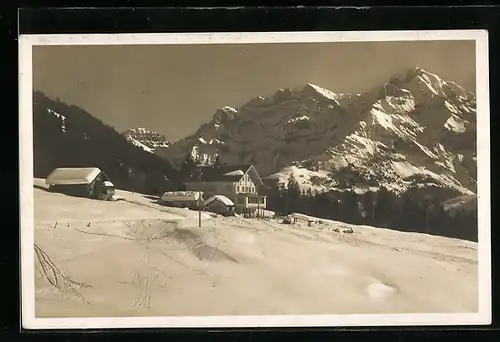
(29, 321)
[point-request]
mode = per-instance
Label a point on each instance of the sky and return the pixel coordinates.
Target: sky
(173, 89)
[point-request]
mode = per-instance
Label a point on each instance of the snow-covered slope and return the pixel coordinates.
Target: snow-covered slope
(414, 130)
(151, 260)
(146, 139)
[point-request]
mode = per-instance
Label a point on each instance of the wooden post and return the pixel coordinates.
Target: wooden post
(286, 202)
(258, 207)
(199, 199)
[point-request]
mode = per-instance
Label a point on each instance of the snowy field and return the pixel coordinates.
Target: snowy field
(138, 258)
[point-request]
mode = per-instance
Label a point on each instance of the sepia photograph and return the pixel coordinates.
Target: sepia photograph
(255, 179)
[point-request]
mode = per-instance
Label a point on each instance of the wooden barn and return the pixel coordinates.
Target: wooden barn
(220, 204)
(88, 182)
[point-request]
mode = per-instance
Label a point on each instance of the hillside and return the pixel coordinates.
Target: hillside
(150, 260)
(414, 131)
(67, 136)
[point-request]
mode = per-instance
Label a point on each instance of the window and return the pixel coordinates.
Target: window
(237, 188)
(256, 200)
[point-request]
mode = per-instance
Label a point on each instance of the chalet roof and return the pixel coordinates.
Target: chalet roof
(225, 173)
(73, 175)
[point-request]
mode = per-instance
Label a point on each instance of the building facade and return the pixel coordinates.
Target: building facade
(240, 183)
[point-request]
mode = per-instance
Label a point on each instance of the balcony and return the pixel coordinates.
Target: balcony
(251, 200)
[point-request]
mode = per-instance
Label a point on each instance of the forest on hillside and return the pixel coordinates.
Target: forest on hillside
(408, 212)
(412, 211)
(67, 136)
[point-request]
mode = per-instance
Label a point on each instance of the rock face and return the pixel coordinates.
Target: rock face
(415, 130)
(146, 139)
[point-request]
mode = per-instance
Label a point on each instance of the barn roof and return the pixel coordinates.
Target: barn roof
(174, 196)
(72, 175)
(220, 198)
(301, 217)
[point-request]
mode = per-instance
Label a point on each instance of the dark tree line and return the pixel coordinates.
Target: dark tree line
(87, 142)
(409, 212)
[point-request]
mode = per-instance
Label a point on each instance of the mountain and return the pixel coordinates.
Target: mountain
(414, 131)
(146, 139)
(67, 136)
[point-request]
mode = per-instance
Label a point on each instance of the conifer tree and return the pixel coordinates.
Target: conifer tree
(217, 162)
(368, 201)
(293, 193)
(349, 207)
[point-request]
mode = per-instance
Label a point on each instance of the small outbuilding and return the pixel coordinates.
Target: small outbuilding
(88, 182)
(182, 199)
(301, 217)
(220, 204)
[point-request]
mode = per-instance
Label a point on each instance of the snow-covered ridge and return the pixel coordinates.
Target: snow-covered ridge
(230, 109)
(139, 144)
(146, 139)
(415, 129)
(299, 118)
(325, 92)
(59, 116)
(139, 130)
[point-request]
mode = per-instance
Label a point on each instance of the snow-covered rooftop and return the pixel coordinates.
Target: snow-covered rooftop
(73, 175)
(223, 199)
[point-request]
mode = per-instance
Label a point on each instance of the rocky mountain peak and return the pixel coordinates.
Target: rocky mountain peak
(146, 139)
(224, 115)
(415, 129)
